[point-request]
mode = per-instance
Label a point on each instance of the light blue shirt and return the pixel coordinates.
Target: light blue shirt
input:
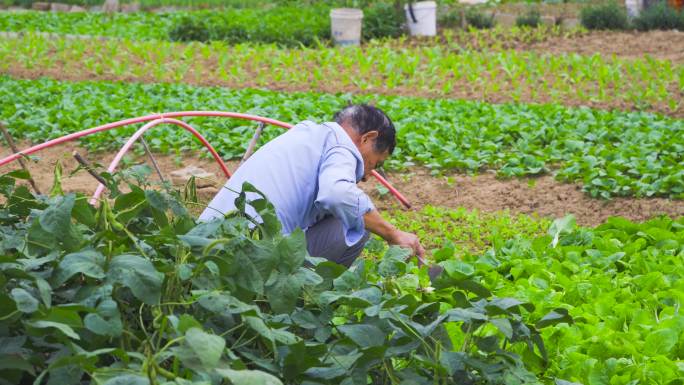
(308, 173)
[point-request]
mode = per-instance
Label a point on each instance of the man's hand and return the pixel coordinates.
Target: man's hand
(377, 225)
(408, 241)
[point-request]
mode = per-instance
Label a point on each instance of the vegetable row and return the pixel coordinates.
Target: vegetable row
(611, 153)
(137, 292)
(621, 282)
(381, 67)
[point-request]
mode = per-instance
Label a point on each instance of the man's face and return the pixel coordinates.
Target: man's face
(372, 158)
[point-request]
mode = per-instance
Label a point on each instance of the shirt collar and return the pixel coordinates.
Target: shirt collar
(345, 140)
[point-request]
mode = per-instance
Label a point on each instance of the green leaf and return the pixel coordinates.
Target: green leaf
(106, 321)
(660, 342)
(87, 262)
(504, 326)
(392, 263)
(185, 322)
(56, 219)
(207, 347)
(558, 381)
(127, 206)
(283, 293)
(292, 251)
(499, 306)
(248, 377)
(26, 303)
(561, 226)
(45, 291)
(83, 212)
(128, 379)
(66, 329)
(200, 350)
(457, 269)
(464, 315)
(363, 335)
(554, 317)
(139, 275)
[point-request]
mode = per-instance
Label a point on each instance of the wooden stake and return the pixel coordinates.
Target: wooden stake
(90, 170)
(252, 143)
(10, 142)
(154, 161)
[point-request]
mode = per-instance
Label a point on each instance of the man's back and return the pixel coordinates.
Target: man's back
(287, 171)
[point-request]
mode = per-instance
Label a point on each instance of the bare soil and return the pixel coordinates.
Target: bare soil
(543, 196)
(662, 45)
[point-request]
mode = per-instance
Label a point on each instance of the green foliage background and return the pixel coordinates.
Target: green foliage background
(611, 153)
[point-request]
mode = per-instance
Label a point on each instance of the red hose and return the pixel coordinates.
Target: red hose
(147, 118)
(140, 132)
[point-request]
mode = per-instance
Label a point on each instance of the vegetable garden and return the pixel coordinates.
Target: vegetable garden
(133, 290)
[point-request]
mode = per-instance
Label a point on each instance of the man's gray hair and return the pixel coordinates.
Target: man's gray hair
(364, 118)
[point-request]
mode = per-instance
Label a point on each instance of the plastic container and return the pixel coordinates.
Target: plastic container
(423, 22)
(345, 25)
(634, 7)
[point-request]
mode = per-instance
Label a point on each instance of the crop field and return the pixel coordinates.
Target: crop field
(545, 167)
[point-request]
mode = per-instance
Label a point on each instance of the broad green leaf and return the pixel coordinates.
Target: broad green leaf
(127, 206)
(363, 335)
(504, 326)
(56, 219)
(465, 315)
(15, 362)
(185, 322)
(26, 303)
(283, 293)
(128, 379)
(106, 321)
(457, 269)
(86, 262)
(207, 347)
(554, 317)
(139, 275)
(561, 226)
(292, 251)
(507, 305)
(45, 291)
(248, 377)
(660, 342)
(64, 328)
(392, 263)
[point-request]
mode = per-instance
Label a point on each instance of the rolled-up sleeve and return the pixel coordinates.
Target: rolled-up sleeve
(339, 195)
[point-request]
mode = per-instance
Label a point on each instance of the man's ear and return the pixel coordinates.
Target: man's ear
(370, 135)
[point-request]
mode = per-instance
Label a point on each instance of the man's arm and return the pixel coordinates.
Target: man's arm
(376, 224)
(339, 195)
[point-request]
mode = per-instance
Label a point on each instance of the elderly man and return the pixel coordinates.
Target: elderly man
(310, 174)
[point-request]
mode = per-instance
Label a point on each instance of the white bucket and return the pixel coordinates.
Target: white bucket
(634, 7)
(426, 18)
(345, 25)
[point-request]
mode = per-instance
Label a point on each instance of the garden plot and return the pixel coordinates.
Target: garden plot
(134, 291)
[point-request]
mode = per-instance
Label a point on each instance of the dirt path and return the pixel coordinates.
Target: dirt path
(543, 196)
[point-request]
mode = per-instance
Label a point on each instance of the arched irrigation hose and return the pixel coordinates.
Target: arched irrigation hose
(169, 115)
(131, 141)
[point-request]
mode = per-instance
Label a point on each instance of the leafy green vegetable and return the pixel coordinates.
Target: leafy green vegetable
(611, 153)
(151, 301)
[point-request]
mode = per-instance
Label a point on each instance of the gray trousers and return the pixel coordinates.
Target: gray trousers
(325, 239)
